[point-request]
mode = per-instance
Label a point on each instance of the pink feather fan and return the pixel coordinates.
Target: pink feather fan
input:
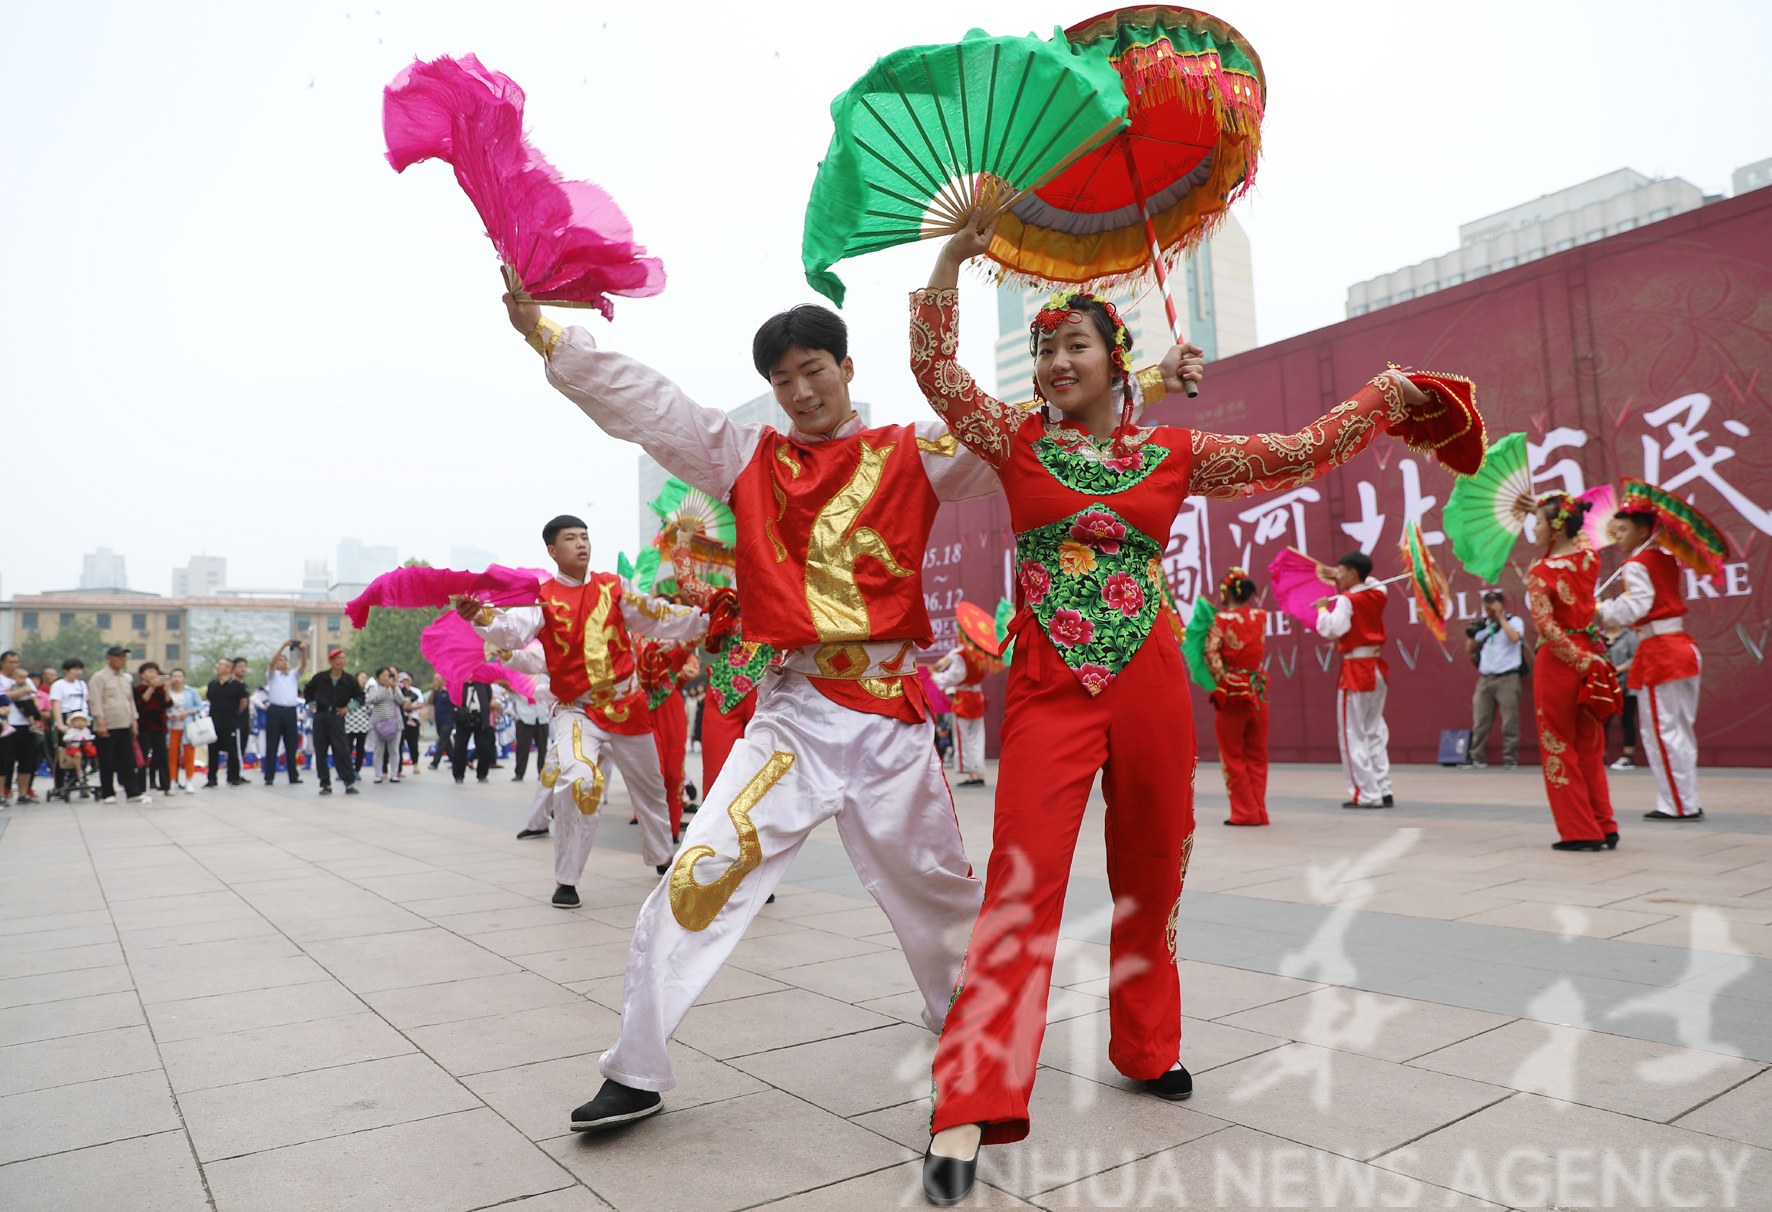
(562, 242)
(1298, 584)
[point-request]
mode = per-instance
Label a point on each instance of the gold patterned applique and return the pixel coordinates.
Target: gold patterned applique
(947, 446)
(1187, 856)
(1151, 387)
(883, 688)
(787, 460)
(650, 607)
(781, 500)
(694, 904)
(588, 801)
(846, 661)
(839, 612)
(1554, 747)
(549, 776)
(599, 634)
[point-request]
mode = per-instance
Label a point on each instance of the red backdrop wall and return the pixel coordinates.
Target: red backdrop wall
(1645, 354)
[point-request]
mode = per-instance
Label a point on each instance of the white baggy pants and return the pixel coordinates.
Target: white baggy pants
(1365, 742)
(802, 761)
(969, 747)
(1667, 721)
(541, 806)
(573, 772)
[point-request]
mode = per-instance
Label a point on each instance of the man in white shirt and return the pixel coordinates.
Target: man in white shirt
(282, 715)
(69, 693)
(531, 731)
(1496, 640)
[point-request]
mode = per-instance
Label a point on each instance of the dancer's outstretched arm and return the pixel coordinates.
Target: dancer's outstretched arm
(632, 402)
(661, 618)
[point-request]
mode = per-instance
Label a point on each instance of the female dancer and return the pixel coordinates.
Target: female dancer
(1092, 498)
(1234, 648)
(1575, 692)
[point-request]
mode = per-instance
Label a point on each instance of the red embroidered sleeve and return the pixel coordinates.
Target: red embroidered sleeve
(1550, 632)
(1228, 467)
(983, 423)
(1215, 650)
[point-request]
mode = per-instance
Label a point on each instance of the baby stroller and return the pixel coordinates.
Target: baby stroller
(72, 764)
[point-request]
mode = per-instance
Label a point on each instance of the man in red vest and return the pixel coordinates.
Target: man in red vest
(583, 622)
(1354, 618)
(961, 676)
(1665, 673)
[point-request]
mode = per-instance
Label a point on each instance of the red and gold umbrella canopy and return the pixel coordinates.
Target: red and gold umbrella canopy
(1195, 94)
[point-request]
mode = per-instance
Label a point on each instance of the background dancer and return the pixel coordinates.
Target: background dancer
(961, 676)
(1574, 691)
(1234, 647)
(663, 670)
(1665, 670)
(583, 622)
(1354, 618)
(1093, 499)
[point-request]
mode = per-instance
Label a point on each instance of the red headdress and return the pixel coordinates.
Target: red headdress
(1060, 309)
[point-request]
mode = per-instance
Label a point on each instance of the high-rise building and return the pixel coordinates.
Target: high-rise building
(1214, 290)
(315, 577)
(359, 565)
(1605, 206)
(1750, 177)
(103, 569)
(203, 577)
(762, 410)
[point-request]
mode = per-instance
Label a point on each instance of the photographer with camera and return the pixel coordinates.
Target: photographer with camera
(282, 717)
(1495, 642)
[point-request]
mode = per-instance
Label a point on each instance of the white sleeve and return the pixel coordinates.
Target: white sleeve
(529, 659)
(950, 671)
(662, 618)
(1635, 600)
(1335, 622)
(630, 401)
(955, 473)
(513, 628)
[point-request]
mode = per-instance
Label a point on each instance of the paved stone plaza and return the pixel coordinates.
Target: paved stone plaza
(256, 1000)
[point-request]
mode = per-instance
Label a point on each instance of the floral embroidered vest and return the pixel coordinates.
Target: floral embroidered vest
(1092, 577)
(735, 672)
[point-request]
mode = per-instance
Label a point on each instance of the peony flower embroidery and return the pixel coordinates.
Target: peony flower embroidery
(742, 685)
(1099, 530)
(1074, 559)
(1133, 461)
(1036, 582)
(718, 699)
(1068, 629)
(739, 655)
(1095, 678)
(1154, 570)
(1123, 594)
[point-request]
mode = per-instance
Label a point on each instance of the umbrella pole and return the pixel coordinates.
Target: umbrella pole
(1150, 236)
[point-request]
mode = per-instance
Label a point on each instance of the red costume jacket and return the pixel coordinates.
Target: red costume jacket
(1235, 646)
(589, 652)
(1669, 655)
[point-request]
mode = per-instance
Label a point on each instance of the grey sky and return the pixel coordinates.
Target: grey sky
(208, 264)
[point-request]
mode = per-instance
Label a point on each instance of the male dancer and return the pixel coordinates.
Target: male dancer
(961, 675)
(1355, 618)
(583, 622)
(1235, 644)
(1665, 673)
(833, 520)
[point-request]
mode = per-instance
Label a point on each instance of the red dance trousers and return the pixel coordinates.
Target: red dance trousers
(719, 733)
(1572, 744)
(1242, 752)
(1140, 733)
(670, 732)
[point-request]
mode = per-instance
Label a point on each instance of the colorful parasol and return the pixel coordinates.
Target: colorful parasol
(1433, 597)
(1681, 527)
(1193, 644)
(1486, 512)
(1299, 583)
(977, 629)
(696, 537)
(418, 586)
(932, 133)
(561, 242)
(1195, 93)
(458, 654)
(1596, 525)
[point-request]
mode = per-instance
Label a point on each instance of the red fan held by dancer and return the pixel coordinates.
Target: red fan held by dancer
(564, 243)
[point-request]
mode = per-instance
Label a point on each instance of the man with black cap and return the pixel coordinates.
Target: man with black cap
(1354, 618)
(330, 693)
(112, 694)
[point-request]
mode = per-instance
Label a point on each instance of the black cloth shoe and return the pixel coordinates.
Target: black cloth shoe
(634, 820)
(459, 782)
(296, 782)
(1174, 1085)
(948, 1180)
(325, 790)
(566, 897)
(1611, 841)
(1255, 823)
(663, 867)
(479, 778)
(528, 833)
(1579, 843)
(771, 899)
(1388, 802)
(351, 789)
(516, 778)
(1353, 804)
(615, 1104)
(1659, 815)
